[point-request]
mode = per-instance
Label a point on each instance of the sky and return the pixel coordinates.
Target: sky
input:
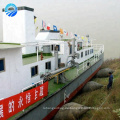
(98, 18)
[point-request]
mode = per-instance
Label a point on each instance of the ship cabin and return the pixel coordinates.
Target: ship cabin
(18, 70)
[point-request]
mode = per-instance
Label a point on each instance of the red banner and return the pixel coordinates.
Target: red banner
(14, 104)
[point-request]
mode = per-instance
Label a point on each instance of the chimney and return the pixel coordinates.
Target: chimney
(19, 28)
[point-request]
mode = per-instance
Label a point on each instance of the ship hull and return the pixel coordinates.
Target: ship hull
(47, 109)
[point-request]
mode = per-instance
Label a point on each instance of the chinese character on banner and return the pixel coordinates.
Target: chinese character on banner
(41, 91)
(20, 102)
(16, 103)
(36, 94)
(1, 111)
(28, 98)
(11, 106)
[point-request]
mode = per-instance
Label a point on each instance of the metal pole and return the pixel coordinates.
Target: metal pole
(73, 48)
(37, 53)
(56, 57)
(57, 78)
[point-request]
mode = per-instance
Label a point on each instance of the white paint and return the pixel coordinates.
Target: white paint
(19, 29)
(18, 76)
(47, 36)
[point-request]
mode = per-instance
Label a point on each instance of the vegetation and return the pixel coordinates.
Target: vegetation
(104, 105)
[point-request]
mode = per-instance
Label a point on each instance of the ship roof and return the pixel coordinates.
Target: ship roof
(9, 46)
(50, 31)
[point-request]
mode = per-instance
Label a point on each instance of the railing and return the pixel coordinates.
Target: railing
(34, 84)
(98, 50)
(98, 47)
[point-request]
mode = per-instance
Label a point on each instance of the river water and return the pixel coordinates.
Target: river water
(98, 18)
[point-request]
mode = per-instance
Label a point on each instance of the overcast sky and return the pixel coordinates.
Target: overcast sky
(98, 18)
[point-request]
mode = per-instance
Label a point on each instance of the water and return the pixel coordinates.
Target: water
(98, 18)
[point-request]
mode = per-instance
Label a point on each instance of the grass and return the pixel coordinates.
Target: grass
(110, 108)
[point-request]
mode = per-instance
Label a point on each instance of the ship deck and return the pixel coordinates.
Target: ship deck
(54, 87)
(33, 59)
(70, 75)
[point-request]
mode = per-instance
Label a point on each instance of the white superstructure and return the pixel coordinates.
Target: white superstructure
(20, 28)
(48, 35)
(16, 72)
(17, 75)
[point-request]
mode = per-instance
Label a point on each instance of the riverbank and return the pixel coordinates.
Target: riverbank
(103, 104)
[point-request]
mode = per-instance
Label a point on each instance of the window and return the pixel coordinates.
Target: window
(59, 61)
(85, 53)
(88, 52)
(70, 49)
(52, 47)
(48, 65)
(91, 51)
(81, 54)
(79, 46)
(34, 71)
(58, 47)
(2, 65)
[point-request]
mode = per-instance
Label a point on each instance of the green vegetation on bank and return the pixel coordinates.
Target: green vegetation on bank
(103, 105)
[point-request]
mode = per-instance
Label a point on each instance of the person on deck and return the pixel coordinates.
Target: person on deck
(110, 81)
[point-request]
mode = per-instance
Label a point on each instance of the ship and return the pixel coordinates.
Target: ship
(40, 74)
